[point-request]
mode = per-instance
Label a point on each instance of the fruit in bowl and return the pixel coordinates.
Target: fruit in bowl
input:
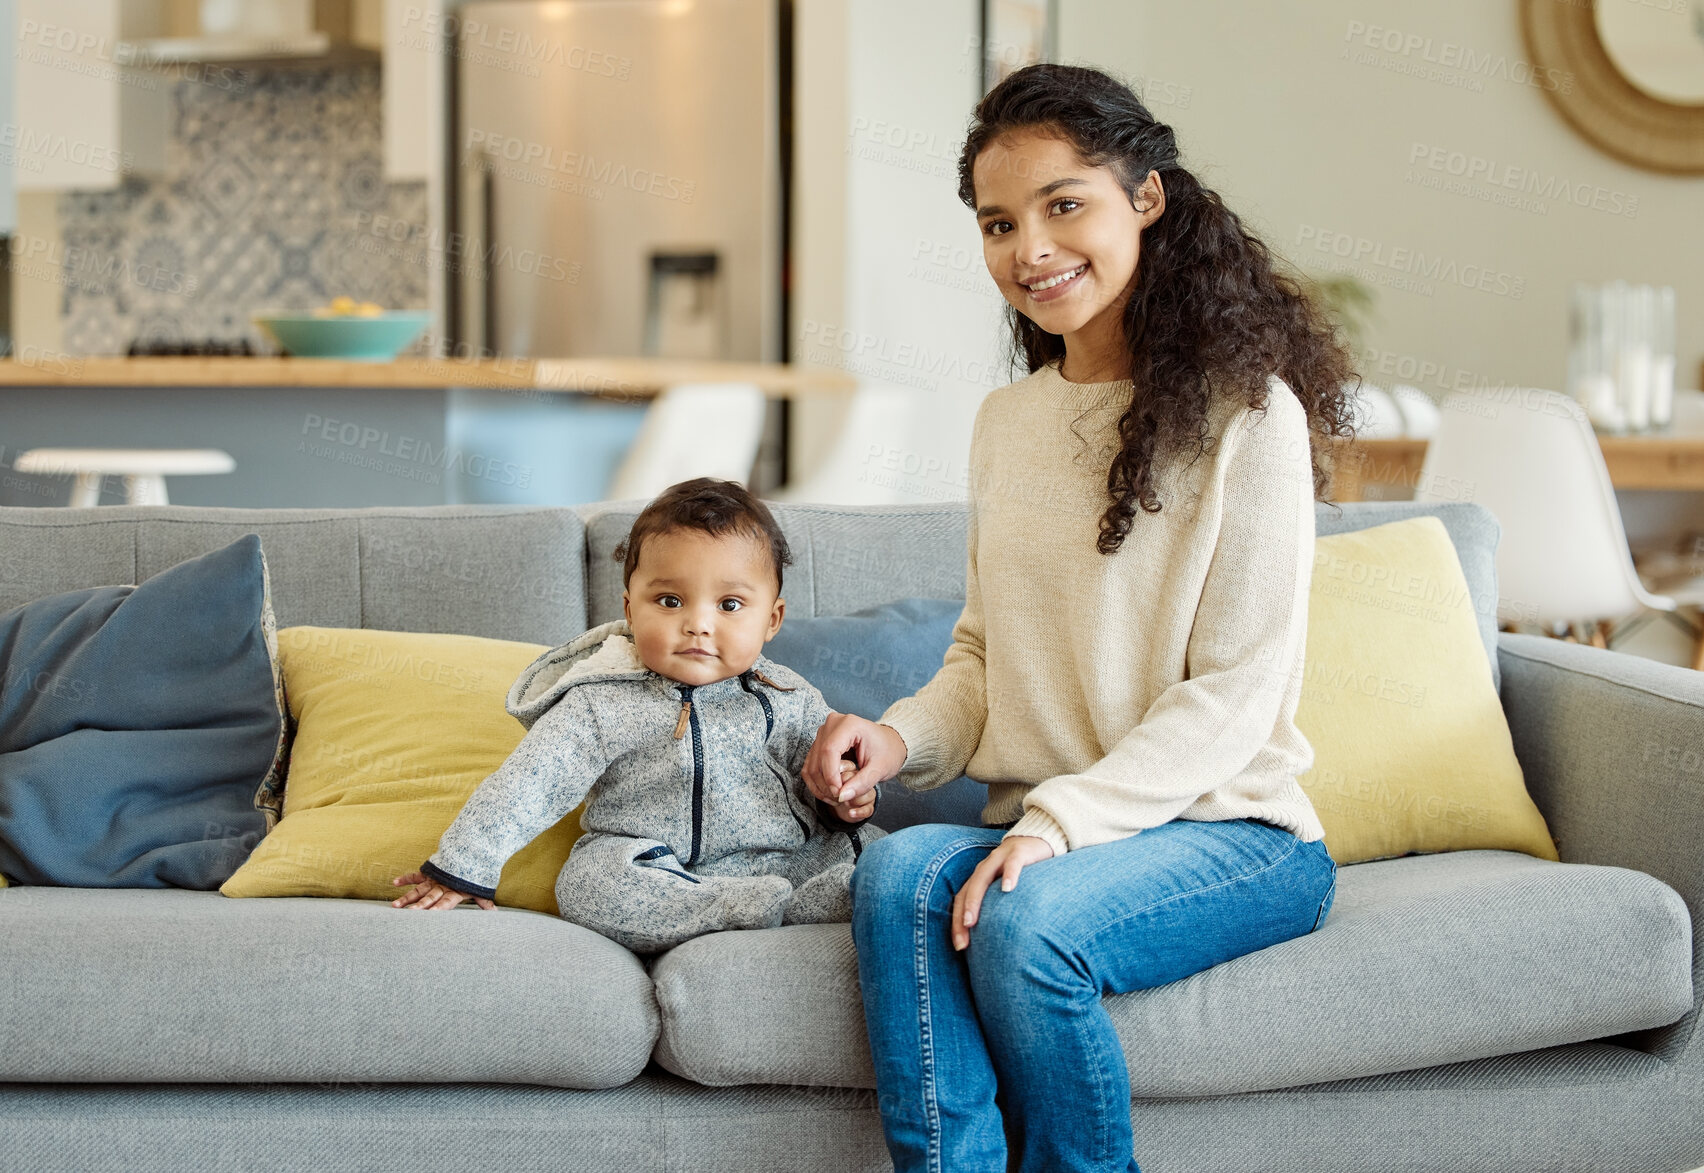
(348, 307)
(346, 328)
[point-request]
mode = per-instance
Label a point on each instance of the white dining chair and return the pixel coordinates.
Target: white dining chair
(896, 445)
(1377, 416)
(1531, 457)
(1418, 410)
(692, 430)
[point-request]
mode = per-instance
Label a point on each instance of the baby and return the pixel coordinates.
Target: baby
(684, 741)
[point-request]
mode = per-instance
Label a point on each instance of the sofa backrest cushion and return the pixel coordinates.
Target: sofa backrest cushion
(503, 572)
(845, 558)
(864, 662)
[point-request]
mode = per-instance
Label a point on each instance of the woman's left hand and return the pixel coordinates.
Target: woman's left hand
(1008, 858)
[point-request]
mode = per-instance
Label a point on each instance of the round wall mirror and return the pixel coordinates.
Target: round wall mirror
(1629, 75)
(1659, 47)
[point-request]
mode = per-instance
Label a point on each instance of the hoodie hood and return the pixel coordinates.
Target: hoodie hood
(606, 652)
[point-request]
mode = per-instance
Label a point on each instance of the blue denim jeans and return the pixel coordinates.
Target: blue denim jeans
(1002, 1056)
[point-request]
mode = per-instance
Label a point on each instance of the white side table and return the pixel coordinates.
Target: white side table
(144, 469)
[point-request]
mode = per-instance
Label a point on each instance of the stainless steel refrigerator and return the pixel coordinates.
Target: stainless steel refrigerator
(616, 191)
(618, 178)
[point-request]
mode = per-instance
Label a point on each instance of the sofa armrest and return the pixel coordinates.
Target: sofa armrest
(1612, 747)
(1613, 751)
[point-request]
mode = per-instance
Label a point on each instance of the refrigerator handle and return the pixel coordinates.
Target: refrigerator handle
(488, 234)
(475, 295)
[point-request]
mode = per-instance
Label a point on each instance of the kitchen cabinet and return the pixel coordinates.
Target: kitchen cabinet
(84, 117)
(413, 35)
(94, 78)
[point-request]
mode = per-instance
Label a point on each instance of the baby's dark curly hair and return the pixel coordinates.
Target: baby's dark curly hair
(1211, 312)
(711, 506)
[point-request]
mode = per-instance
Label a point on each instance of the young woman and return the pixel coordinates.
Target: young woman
(1125, 673)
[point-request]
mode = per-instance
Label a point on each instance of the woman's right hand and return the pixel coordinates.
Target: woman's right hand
(878, 749)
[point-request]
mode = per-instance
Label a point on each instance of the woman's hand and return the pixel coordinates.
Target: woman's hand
(431, 894)
(880, 751)
(1010, 857)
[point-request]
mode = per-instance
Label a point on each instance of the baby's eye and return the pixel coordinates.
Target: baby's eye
(731, 604)
(668, 600)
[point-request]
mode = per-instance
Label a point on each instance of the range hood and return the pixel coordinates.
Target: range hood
(173, 32)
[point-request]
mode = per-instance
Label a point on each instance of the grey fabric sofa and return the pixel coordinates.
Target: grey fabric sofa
(1475, 1011)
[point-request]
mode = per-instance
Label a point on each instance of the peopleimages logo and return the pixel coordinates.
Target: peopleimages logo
(424, 29)
(543, 160)
(1406, 268)
(1446, 61)
(33, 146)
(1518, 181)
(905, 362)
(409, 457)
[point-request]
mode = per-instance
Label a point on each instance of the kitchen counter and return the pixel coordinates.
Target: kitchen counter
(310, 432)
(614, 378)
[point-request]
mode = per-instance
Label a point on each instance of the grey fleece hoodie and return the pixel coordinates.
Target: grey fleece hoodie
(711, 771)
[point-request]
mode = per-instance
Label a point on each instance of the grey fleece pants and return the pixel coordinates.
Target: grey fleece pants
(636, 893)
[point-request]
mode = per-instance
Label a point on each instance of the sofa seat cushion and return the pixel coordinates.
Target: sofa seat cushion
(1423, 960)
(126, 985)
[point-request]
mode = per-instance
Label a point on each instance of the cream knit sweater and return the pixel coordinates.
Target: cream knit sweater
(1098, 695)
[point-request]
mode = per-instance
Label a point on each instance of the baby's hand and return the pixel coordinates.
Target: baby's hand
(859, 808)
(431, 894)
(848, 767)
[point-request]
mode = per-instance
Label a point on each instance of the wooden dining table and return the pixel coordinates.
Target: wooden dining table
(1669, 459)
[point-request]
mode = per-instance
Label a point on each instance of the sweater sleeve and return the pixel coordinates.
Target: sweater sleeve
(547, 775)
(1244, 655)
(942, 722)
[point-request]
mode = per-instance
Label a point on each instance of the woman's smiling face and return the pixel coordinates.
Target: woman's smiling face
(1060, 236)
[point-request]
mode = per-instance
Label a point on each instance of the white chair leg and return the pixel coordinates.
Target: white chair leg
(145, 489)
(86, 490)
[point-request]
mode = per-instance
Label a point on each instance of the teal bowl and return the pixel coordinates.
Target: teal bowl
(371, 339)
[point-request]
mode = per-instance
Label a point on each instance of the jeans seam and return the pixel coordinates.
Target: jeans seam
(931, 1107)
(1100, 1088)
(1325, 901)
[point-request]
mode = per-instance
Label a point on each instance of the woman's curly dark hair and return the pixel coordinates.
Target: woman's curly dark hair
(1210, 313)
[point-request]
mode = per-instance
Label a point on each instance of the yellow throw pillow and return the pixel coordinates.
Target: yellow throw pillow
(393, 732)
(1411, 749)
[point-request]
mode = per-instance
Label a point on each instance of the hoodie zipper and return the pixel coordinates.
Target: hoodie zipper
(768, 732)
(688, 718)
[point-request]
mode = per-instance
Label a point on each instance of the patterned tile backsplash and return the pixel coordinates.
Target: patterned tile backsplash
(266, 191)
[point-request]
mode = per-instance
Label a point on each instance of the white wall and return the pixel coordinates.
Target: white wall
(888, 279)
(1314, 137)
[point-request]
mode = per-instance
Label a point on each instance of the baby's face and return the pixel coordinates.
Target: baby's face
(702, 607)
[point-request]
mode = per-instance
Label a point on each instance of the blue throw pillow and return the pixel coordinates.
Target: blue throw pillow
(141, 728)
(865, 661)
